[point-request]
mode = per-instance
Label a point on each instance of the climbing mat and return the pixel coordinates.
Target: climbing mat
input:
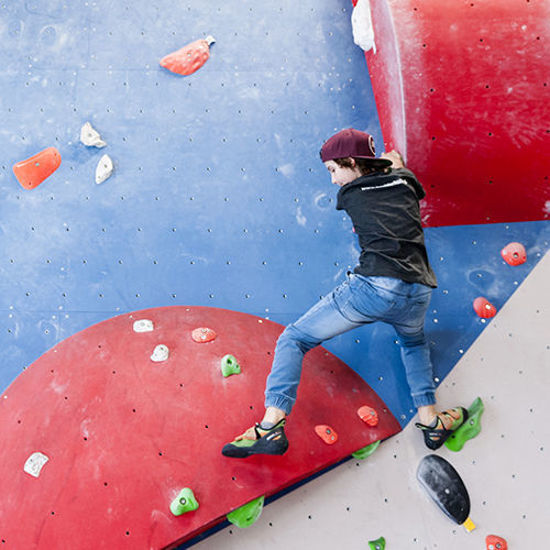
(115, 429)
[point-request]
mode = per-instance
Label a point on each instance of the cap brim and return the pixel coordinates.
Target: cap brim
(377, 162)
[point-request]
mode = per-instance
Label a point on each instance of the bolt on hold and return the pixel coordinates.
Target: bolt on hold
(484, 308)
(202, 335)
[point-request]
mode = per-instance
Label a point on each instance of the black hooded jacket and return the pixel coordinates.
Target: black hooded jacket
(385, 211)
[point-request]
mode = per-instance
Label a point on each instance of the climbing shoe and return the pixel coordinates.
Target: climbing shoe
(270, 441)
(436, 434)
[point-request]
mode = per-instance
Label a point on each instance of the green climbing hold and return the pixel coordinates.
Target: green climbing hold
(378, 544)
(361, 454)
(184, 502)
(229, 366)
(469, 429)
(246, 515)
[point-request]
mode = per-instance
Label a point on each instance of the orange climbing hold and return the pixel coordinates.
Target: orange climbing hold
(32, 172)
(368, 415)
(514, 254)
(494, 542)
(484, 308)
(203, 335)
(326, 433)
(188, 59)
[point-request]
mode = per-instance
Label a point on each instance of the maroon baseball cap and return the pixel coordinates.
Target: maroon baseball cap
(352, 143)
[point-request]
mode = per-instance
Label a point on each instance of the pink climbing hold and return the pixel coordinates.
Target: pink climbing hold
(494, 542)
(30, 173)
(203, 335)
(484, 308)
(327, 434)
(368, 415)
(190, 58)
(514, 254)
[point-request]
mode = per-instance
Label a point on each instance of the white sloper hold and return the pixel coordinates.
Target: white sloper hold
(35, 463)
(160, 353)
(361, 24)
(143, 325)
(90, 137)
(104, 169)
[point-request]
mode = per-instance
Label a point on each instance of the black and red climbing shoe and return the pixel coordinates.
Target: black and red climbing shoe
(271, 441)
(436, 434)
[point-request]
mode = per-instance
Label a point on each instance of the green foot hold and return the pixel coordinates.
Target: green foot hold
(184, 502)
(469, 429)
(230, 366)
(361, 454)
(246, 515)
(378, 544)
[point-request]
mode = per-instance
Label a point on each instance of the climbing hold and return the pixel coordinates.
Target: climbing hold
(190, 58)
(35, 463)
(160, 353)
(229, 366)
(494, 542)
(361, 25)
(514, 254)
(469, 429)
(446, 488)
(246, 515)
(30, 173)
(326, 433)
(184, 502)
(368, 415)
(363, 453)
(203, 335)
(484, 308)
(378, 544)
(104, 169)
(90, 137)
(143, 325)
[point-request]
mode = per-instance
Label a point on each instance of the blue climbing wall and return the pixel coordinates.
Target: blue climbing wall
(218, 197)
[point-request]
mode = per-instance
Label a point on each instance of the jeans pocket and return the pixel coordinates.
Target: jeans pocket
(372, 301)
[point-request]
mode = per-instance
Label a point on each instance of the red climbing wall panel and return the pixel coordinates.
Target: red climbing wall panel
(124, 434)
(462, 90)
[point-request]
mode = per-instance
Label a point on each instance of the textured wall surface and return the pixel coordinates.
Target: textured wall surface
(219, 197)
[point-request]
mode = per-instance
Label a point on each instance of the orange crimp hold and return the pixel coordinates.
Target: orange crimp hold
(32, 172)
(368, 415)
(188, 59)
(203, 335)
(484, 308)
(494, 542)
(514, 254)
(326, 433)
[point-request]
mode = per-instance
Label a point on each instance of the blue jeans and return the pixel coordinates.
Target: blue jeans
(357, 301)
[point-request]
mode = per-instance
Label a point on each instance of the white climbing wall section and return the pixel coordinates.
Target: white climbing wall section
(505, 468)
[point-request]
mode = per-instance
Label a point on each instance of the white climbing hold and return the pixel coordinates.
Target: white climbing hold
(90, 137)
(35, 463)
(210, 39)
(361, 24)
(104, 169)
(143, 325)
(160, 353)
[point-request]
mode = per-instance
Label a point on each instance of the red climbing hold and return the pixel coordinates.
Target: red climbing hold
(188, 59)
(327, 434)
(484, 308)
(368, 415)
(494, 542)
(514, 254)
(32, 172)
(203, 335)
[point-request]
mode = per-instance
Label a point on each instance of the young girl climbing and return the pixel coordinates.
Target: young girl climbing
(392, 283)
